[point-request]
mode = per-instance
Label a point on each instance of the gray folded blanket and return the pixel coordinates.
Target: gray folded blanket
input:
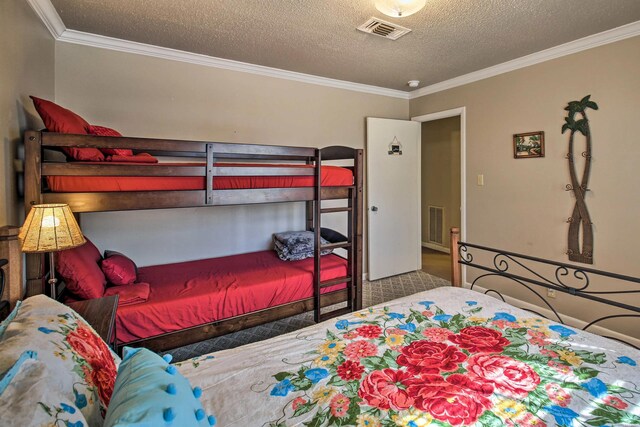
(296, 245)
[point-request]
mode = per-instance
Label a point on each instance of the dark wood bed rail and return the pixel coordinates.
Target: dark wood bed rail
(121, 201)
(195, 334)
(50, 139)
(338, 152)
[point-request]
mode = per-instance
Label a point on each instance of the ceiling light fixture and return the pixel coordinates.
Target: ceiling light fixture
(400, 8)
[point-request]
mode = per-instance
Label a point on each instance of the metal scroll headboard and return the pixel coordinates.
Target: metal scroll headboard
(531, 272)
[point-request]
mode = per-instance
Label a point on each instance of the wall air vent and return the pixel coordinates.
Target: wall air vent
(436, 225)
(384, 29)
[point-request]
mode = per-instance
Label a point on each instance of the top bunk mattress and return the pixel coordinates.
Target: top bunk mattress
(332, 176)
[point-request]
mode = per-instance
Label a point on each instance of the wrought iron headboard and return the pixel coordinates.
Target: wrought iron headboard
(566, 278)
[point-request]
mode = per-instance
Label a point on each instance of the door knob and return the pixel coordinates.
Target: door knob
(374, 208)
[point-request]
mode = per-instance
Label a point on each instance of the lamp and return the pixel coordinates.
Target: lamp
(50, 228)
(399, 8)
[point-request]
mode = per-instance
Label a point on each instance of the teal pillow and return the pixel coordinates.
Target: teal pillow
(5, 323)
(151, 392)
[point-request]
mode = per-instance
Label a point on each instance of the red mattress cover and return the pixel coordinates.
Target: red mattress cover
(331, 176)
(194, 293)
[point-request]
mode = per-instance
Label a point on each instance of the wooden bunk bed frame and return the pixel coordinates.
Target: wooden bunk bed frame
(37, 169)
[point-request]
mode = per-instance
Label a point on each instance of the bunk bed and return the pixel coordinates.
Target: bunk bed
(210, 174)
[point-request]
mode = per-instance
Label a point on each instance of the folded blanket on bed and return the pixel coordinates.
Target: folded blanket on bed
(296, 245)
(138, 158)
(285, 255)
(134, 293)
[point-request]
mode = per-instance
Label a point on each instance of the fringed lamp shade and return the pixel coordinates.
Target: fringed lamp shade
(50, 228)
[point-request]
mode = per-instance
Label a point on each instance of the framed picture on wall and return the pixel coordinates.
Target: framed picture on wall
(528, 145)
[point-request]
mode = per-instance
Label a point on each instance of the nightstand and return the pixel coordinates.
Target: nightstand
(100, 313)
(4, 310)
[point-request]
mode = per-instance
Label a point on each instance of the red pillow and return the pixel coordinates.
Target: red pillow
(119, 269)
(80, 270)
(61, 120)
(134, 293)
(104, 131)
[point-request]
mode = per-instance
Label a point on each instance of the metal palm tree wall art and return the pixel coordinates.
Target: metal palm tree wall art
(580, 221)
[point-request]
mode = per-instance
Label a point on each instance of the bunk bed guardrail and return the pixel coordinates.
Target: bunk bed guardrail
(36, 169)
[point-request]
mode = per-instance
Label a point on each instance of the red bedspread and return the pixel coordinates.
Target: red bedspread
(331, 176)
(193, 293)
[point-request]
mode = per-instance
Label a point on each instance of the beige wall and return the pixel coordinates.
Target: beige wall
(144, 96)
(523, 206)
(26, 68)
(441, 173)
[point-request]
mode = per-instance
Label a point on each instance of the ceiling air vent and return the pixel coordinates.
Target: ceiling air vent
(384, 29)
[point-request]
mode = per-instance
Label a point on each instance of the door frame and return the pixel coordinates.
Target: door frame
(462, 113)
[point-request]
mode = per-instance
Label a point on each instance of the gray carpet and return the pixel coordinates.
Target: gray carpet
(375, 292)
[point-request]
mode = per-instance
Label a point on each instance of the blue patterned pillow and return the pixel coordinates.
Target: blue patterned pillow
(151, 392)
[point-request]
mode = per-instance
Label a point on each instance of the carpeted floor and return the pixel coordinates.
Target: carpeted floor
(373, 293)
(436, 263)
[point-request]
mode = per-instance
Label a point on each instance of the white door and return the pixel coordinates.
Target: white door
(393, 186)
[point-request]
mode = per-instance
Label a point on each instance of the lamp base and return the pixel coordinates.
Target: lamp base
(52, 287)
(52, 276)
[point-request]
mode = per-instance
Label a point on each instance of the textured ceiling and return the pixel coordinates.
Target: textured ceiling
(449, 38)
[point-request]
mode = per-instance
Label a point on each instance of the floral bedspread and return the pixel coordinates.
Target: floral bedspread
(443, 357)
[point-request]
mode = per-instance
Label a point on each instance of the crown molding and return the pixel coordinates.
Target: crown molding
(48, 14)
(95, 40)
(589, 42)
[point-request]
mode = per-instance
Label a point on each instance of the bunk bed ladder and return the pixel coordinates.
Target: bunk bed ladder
(348, 245)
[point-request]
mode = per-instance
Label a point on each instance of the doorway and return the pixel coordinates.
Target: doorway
(442, 187)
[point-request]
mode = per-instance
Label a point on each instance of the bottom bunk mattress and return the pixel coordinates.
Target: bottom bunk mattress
(194, 293)
(444, 357)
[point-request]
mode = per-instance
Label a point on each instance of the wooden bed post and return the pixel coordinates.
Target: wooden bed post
(317, 216)
(309, 206)
(358, 181)
(32, 196)
(455, 257)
